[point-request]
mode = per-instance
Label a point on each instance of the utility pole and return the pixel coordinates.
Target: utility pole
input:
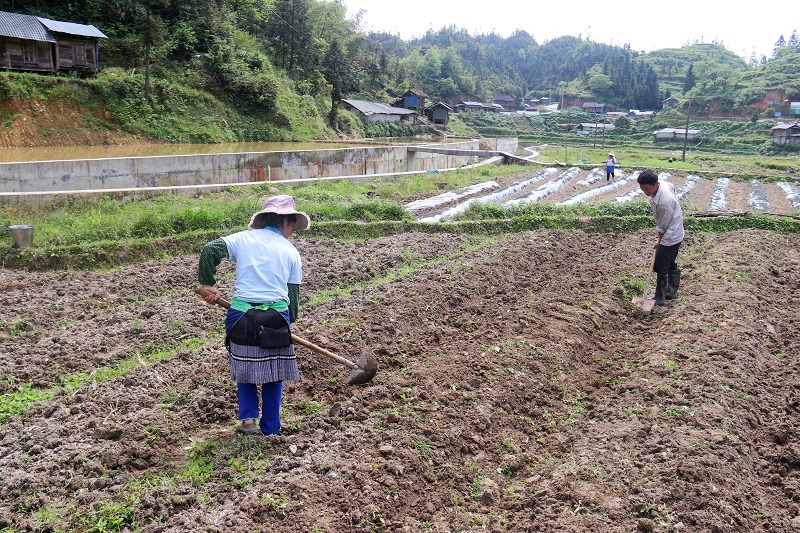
(604, 137)
(686, 131)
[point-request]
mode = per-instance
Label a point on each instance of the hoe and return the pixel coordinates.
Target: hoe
(644, 302)
(362, 371)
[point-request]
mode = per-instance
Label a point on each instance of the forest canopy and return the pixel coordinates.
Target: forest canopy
(239, 50)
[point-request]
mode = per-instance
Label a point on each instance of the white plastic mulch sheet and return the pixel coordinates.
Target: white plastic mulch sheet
(792, 194)
(445, 198)
(547, 189)
(608, 187)
(635, 193)
(687, 187)
(719, 198)
(758, 197)
(489, 198)
(596, 175)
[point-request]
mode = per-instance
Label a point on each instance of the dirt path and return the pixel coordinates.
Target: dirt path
(517, 390)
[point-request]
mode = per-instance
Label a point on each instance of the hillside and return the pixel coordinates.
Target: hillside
(112, 109)
(672, 64)
(245, 81)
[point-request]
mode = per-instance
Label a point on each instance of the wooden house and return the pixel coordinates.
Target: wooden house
(504, 100)
(412, 99)
(78, 50)
(783, 134)
(438, 113)
(669, 103)
(465, 106)
(594, 107)
(35, 44)
(375, 112)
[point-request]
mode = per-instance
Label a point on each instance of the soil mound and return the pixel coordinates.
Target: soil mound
(59, 122)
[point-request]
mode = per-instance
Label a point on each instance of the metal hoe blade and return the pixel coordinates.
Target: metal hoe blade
(367, 367)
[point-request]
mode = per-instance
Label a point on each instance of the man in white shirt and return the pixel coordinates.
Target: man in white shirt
(669, 228)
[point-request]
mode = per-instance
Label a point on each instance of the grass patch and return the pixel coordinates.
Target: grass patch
(408, 265)
(113, 232)
(15, 403)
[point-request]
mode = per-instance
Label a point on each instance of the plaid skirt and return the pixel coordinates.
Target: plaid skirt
(252, 364)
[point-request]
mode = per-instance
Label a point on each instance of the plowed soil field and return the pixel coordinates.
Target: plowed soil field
(517, 390)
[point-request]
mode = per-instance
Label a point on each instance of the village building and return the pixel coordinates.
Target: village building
(635, 114)
(594, 107)
(677, 134)
(412, 99)
(670, 103)
(35, 44)
(784, 133)
(591, 127)
(375, 112)
(505, 101)
(467, 106)
(438, 113)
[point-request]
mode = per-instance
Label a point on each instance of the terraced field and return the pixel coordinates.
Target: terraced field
(572, 186)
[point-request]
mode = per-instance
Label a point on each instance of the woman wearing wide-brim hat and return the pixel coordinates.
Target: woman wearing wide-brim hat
(264, 304)
(611, 162)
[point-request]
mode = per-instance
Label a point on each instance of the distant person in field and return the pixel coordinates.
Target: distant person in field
(669, 229)
(611, 162)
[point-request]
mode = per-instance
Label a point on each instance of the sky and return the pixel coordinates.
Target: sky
(646, 26)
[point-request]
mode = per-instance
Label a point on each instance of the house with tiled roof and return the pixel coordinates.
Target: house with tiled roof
(376, 111)
(594, 107)
(412, 99)
(35, 44)
(786, 133)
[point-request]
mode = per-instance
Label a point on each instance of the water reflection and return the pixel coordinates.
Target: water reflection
(60, 153)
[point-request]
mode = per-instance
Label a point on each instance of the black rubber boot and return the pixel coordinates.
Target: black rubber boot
(661, 289)
(673, 283)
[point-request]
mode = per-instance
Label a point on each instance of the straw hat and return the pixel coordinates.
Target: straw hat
(282, 204)
(611, 154)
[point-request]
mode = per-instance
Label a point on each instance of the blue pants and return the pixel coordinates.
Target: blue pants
(271, 394)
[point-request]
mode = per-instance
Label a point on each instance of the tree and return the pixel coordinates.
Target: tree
(334, 68)
(793, 42)
(622, 123)
(600, 84)
(780, 43)
(290, 34)
(690, 81)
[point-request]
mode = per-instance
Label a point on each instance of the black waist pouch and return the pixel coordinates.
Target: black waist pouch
(265, 329)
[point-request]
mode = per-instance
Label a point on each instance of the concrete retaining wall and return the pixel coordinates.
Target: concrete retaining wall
(203, 169)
